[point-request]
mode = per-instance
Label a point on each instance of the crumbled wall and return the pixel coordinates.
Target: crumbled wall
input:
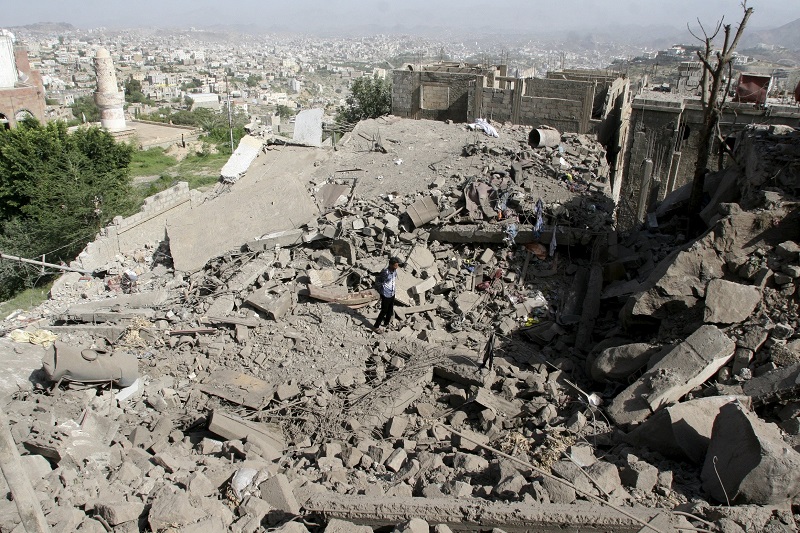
(135, 231)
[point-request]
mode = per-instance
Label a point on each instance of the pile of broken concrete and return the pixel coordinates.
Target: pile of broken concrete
(638, 383)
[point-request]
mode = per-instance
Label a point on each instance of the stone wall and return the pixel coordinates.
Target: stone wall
(570, 90)
(145, 227)
(654, 126)
(666, 132)
(559, 113)
(431, 95)
(17, 99)
(403, 93)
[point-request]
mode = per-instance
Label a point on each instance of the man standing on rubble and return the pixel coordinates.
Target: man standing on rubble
(387, 279)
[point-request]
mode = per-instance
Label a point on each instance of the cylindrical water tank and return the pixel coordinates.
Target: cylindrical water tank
(8, 65)
(541, 137)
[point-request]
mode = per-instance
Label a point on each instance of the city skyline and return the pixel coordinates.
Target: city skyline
(316, 16)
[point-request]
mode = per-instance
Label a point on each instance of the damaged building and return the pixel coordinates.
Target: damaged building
(210, 364)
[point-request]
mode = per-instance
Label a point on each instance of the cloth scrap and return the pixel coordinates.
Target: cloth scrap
(42, 337)
(487, 128)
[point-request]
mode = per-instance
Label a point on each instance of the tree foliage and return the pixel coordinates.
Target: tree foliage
(369, 98)
(284, 111)
(254, 79)
(57, 189)
(133, 91)
(85, 107)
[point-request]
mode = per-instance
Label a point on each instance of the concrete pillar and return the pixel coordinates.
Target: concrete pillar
(516, 100)
(674, 165)
(644, 189)
(108, 97)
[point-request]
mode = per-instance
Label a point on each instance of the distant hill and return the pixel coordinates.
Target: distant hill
(787, 36)
(47, 27)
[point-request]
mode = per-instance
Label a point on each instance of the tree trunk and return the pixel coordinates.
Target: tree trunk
(700, 171)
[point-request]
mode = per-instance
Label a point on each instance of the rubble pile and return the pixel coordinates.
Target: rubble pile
(541, 370)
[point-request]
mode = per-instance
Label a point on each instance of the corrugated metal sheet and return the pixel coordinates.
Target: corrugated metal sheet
(241, 159)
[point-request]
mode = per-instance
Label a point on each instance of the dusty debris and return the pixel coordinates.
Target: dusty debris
(262, 398)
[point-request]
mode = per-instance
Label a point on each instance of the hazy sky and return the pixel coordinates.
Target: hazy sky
(313, 14)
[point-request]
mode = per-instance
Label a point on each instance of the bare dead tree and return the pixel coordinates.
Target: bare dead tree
(715, 65)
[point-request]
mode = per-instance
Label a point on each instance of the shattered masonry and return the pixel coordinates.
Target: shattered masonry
(640, 381)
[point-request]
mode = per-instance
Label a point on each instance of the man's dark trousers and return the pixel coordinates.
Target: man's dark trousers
(387, 308)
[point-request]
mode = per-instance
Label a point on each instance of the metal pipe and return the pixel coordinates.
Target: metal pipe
(540, 138)
(42, 263)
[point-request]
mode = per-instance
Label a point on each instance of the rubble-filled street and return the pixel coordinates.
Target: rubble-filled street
(541, 372)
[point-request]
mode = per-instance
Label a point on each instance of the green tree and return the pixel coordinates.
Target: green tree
(57, 189)
(369, 98)
(85, 107)
(284, 111)
(254, 79)
(133, 91)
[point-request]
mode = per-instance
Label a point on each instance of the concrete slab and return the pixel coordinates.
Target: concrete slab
(688, 365)
(19, 360)
(269, 198)
(476, 515)
(308, 127)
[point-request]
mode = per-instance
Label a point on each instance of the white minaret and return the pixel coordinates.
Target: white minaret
(108, 97)
(8, 65)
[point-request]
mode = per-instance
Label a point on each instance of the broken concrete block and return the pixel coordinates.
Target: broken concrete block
(277, 492)
(172, 510)
(214, 524)
(774, 384)
(119, 512)
(275, 306)
(466, 301)
(619, 362)
(336, 525)
(172, 464)
(486, 256)
(470, 441)
(395, 461)
(423, 211)
(606, 475)
(269, 439)
(728, 302)
(685, 367)
(639, 475)
(510, 486)
(395, 427)
(36, 467)
(748, 461)
(558, 492)
(498, 405)
(197, 484)
(415, 525)
(286, 391)
(682, 430)
(423, 286)
(582, 455)
(469, 462)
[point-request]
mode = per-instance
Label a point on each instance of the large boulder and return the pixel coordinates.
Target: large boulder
(748, 461)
